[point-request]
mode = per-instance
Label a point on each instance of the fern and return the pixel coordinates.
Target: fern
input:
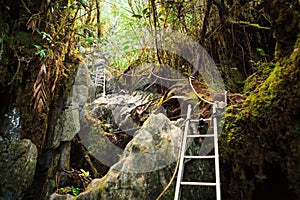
(39, 89)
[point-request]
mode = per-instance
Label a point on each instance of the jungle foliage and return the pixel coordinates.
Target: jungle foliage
(255, 44)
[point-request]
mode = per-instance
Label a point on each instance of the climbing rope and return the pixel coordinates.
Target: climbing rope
(125, 74)
(176, 168)
(140, 75)
(168, 79)
(190, 80)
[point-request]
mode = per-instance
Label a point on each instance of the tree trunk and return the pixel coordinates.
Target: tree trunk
(98, 19)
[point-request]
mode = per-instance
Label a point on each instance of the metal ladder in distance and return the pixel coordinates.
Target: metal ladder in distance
(183, 156)
(100, 77)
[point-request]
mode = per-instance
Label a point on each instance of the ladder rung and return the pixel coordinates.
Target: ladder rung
(197, 120)
(199, 157)
(201, 135)
(198, 183)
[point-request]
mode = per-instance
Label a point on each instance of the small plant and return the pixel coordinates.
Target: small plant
(84, 174)
(75, 191)
(63, 190)
(111, 130)
(261, 52)
(41, 52)
(44, 35)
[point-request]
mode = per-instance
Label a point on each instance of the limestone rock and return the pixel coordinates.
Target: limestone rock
(83, 76)
(111, 84)
(144, 168)
(120, 105)
(61, 197)
(68, 123)
(17, 164)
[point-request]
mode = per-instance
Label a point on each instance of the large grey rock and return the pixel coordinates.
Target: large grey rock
(111, 85)
(154, 146)
(83, 89)
(120, 105)
(67, 126)
(144, 168)
(105, 115)
(89, 194)
(68, 123)
(17, 164)
(80, 95)
(83, 75)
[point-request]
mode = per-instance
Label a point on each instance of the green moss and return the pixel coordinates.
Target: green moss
(265, 125)
(24, 42)
(262, 73)
(102, 187)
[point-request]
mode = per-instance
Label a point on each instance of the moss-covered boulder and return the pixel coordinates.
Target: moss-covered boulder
(17, 164)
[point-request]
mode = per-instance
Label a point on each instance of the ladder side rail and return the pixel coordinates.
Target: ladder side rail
(225, 98)
(100, 78)
(216, 149)
(104, 86)
(182, 153)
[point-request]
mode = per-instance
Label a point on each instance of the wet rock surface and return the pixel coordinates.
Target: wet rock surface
(17, 163)
(10, 125)
(144, 168)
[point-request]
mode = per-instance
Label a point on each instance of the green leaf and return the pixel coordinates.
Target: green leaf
(145, 11)
(160, 9)
(83, 3)
(46, 35)
(84, 173)
(255, 25)
(75, 191)
(38, 47)
(261, 52)
(1, 52)
(125, 47)
(268, 18)
(42, 53)
(137, 16)
(90, 40)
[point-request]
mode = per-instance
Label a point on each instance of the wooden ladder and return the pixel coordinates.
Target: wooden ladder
(183, 156)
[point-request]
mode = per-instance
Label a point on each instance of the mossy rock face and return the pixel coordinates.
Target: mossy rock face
(285, 15)
(17, 163)
(5, 75)
(25, 41)
(262, 134)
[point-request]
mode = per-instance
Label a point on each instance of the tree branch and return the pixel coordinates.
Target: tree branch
(155, 28)
(205, 22)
